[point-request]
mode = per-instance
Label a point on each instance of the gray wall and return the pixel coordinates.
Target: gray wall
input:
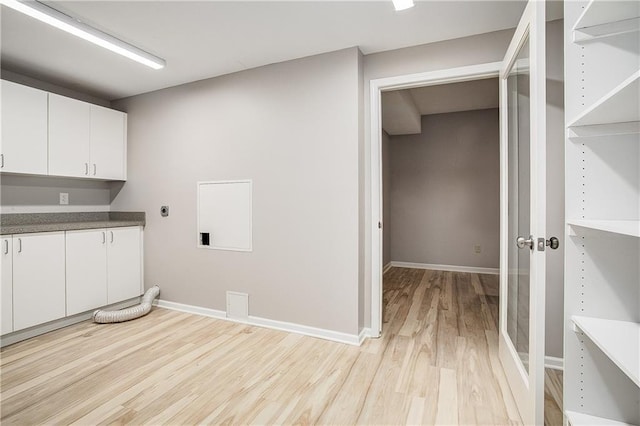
(25, 194)
(293, 128)
(386, 200)
(445, 191)
(555, 189)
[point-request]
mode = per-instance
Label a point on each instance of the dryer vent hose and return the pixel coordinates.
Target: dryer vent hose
(127, 314)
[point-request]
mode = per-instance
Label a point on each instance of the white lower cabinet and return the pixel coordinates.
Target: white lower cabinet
(124, 265)
(6, 292)
(86, 270)
(38, 279)
(103, 267)
(51, 275)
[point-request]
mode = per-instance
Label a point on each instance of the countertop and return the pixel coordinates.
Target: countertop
(24, 223)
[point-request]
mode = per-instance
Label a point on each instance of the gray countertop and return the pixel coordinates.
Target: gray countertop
(23, 223)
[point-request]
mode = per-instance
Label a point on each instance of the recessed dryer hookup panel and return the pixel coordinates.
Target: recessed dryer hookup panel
(225, 215)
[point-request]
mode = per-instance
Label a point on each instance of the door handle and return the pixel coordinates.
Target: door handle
(111, 232)
(19, 245)
(1, 161)
(522, 242)
(6, 246)
(104, 237)
(86, 169)
(94, 169)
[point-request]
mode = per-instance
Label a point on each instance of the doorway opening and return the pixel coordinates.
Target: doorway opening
(378, 88)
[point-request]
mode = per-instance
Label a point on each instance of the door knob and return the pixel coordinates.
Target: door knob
(522, 242)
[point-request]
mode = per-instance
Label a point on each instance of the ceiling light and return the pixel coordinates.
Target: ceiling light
(403, 4)
(73, 26)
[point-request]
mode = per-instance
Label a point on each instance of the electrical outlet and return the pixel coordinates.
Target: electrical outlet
(477, 248)
(64, 198)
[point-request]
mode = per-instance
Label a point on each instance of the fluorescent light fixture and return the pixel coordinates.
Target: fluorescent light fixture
(403, 4)
(73, 26)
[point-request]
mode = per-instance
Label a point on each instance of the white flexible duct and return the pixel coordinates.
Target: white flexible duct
(127, 314)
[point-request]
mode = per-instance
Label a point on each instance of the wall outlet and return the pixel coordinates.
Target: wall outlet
(64, 198)
(477, 248)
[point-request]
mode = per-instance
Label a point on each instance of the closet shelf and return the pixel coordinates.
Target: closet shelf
(581, 419)
(623, 227)
(608, 29)
(600, 12)
(602, 17)
(618, 106)
(612, 132)
(619, 340)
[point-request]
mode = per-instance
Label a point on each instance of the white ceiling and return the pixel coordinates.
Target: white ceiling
(401, 109)
(209, 38)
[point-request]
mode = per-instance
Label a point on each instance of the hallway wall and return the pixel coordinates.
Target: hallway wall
(445, 191)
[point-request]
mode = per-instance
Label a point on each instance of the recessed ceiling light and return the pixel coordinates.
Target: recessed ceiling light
(73, 26)
(403, 4)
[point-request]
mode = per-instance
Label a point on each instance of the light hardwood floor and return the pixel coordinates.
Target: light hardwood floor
(436, 363)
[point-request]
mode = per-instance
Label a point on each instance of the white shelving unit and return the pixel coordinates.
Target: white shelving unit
(602, 240)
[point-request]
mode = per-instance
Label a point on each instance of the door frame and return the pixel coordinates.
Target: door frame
(377, 86)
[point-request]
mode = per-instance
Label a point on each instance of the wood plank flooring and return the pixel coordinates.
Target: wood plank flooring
(436, 363)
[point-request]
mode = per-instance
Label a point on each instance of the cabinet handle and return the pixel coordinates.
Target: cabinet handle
(1, 161)
(6, 246)
(19, 245)
(86, 169)
(104, 237)
(111, 232)
(94, 169)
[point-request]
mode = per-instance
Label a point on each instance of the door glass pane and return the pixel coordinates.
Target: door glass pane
(518, 104)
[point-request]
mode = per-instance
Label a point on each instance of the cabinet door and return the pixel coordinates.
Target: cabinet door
(108, 136)
(124, 264)
(24, 129)
(69, 133)
(6, 289)
(86, 270)
(38, 278)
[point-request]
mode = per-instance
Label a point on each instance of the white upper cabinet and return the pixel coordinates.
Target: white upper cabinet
(23, 146)
(69, 133)
(86, 140)
(108, 143)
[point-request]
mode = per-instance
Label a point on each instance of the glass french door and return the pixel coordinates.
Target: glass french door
(522, 261)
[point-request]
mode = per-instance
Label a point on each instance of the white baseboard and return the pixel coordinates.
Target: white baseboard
(386, 267)
(365, 333)
(452, 268)
(306, 330)
(554, 363)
